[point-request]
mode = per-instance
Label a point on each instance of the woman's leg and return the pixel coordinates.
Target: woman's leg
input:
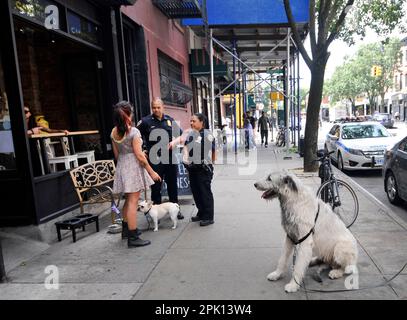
(131, 209)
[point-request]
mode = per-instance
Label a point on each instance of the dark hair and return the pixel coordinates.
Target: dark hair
(201, 117)
(122, 116)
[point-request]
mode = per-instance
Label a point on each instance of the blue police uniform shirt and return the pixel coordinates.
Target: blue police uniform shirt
(167, 126)
(199, 144)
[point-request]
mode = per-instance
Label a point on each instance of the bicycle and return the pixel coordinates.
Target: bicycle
(337, 193)
(280, 139)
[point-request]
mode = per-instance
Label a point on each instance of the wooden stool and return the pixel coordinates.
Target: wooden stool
(75, 223)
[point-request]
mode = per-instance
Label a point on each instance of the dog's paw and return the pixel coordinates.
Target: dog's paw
(291, 287)
(274, 276)
(155, 230)
(335, 274)
(174, 228)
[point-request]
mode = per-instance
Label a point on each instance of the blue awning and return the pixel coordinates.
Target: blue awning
(251, 12)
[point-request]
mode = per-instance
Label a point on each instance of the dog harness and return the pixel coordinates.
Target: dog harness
(308, 234)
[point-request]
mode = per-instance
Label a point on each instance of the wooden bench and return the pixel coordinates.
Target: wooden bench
(91, 182)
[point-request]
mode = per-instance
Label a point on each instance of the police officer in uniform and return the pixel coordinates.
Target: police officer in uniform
(198, 156)
(157, 131)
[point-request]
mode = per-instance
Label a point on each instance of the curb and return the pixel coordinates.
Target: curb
(379, 203)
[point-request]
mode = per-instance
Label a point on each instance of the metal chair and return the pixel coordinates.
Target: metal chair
(54, 160)
(88, 155)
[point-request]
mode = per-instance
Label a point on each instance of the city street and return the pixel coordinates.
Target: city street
(371, 180)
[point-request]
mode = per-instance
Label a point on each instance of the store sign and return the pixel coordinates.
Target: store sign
(43, 11)
(83, 28)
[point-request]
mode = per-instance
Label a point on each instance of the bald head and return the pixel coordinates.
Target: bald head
(157, 107)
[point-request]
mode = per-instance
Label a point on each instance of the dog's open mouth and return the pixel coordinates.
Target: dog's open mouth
(268, 194)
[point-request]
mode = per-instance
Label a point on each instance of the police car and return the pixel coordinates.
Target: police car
(359, 145)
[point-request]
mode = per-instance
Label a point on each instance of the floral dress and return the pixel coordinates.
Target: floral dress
(130, 176)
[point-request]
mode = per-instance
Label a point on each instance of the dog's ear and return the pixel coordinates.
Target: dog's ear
(149, 203)
(289, 181)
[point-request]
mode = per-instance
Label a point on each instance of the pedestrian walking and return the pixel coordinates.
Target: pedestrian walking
(263, 128)
(161, 134)
(248, 132)
(198, 157)
(133, 172)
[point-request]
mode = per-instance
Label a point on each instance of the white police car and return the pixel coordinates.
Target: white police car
(359, 145)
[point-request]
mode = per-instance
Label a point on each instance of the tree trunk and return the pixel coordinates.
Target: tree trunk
(314, 105)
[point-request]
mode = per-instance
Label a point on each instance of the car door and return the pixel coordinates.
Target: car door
(400, 168)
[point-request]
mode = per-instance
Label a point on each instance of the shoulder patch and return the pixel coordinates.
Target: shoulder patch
(211, 137)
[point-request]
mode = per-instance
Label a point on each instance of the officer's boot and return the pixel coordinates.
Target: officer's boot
(125, 230)
(133, 240)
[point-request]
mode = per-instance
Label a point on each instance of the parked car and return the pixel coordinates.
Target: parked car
(358, 145)
(385, 119)
(395, 172)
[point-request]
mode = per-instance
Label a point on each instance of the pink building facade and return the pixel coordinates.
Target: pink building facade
(163, 38)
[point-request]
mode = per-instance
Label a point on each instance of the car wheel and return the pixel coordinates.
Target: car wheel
(392, 189)
(340, 162)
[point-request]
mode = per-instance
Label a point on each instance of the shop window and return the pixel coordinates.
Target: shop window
(83, 28)
(7, 155)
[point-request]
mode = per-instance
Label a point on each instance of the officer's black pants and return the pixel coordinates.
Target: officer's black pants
(264, 136)
(200, 182)
(167, 172)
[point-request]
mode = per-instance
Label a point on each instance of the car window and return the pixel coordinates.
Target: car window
(337, 131)
(332, 132)
(403, 145)
(364, 131)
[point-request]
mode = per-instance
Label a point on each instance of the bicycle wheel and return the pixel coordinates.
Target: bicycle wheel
(348, 209)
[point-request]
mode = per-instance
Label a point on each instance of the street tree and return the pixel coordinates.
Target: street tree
(330, 20)
(387, 55)
(343, 84)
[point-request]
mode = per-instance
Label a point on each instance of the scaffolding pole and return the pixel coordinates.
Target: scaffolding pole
(212, 80)
(287, 97)
(298, 99)
(234, 90)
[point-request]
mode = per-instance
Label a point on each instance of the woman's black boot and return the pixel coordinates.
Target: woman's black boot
(133, 240)
(125, 230)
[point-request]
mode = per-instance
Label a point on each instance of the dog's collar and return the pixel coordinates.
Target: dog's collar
(308, 234)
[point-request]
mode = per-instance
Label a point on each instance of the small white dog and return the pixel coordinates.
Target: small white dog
(159, 211)
(332, 243)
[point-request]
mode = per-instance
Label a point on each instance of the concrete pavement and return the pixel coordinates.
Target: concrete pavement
(227, 260)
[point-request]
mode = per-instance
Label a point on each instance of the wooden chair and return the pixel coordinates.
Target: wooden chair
(88, 155)
(54, 160)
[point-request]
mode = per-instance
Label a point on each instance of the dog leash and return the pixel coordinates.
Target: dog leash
(382, 284)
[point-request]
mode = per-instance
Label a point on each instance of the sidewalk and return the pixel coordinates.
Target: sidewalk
(227, 260)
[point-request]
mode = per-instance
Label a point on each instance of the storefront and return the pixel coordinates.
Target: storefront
(399, 104)
(62, 61)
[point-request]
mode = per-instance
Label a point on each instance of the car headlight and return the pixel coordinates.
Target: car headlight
(355, 151)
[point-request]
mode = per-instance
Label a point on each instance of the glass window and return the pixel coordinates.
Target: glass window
(332, 132)
(83, 28)
(364, 131)
(7, 155)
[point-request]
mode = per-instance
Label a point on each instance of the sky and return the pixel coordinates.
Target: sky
(339, 50)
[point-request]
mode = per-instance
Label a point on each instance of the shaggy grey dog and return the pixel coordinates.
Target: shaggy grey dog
(331, 241)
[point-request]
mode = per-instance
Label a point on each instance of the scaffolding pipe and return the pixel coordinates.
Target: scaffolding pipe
(287, 97)
(212, 81)
(234, 96)
(298, 98)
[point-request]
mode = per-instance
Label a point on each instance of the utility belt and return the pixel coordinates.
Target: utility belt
(199, 167)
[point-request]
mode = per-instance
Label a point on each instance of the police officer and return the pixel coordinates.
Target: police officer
(158, 131)
(198, 156)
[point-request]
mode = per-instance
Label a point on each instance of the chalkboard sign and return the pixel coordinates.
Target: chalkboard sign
(182, 180)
